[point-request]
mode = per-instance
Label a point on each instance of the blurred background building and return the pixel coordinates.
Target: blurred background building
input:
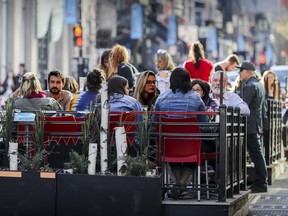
(40, 33)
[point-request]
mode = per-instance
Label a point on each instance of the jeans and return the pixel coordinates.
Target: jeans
(255, 152)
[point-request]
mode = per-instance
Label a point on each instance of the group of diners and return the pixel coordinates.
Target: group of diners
(194, 87)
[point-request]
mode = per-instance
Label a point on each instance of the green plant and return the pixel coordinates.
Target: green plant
(7, 120)
(35, 163)
(79, 163)
(34, 160)
(90, 129)
(39, 131)
(138, 165)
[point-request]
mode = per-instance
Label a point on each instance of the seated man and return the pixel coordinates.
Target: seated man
(229, 98)
(32, 98)
(56, 83)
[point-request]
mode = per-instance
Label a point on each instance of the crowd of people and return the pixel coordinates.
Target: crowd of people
(193, 86)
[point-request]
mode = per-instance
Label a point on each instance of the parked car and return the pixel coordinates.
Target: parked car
(281, 72)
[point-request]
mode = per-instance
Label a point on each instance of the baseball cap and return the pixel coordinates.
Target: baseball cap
(246, 65)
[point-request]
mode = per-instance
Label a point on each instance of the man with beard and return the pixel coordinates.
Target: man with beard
(55, 84)
(229, 98)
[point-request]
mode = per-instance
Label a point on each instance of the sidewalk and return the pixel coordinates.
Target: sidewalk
(273, 203)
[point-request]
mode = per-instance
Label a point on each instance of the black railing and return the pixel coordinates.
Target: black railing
(229, 134)
(274, 136)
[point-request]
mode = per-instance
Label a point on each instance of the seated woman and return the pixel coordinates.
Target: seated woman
(203, 89)
(71, 85)
(119, 100)
(180, 98)
(82, 101)
(146, 92)
(32, 98)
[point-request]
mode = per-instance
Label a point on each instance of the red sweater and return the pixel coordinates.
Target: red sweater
(202, 72)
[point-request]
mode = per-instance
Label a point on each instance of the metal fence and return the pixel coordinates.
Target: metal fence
(273, 137)
(62, 134)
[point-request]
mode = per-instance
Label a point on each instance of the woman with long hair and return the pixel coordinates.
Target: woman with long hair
(119, 100)
(271, 84)
(165, 65)
(32, 98)
(119, 64)
(198, 66)
(146, 92)
(71, 85)
(104, 62)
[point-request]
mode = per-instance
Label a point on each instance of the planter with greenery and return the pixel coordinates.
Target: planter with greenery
(31, 189)
(8, 146)
(107, 193)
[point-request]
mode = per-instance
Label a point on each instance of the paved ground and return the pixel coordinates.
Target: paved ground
(273, 203)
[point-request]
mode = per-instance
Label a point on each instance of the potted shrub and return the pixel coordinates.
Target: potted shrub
(8, 141)
(107, 193)
(32, 188)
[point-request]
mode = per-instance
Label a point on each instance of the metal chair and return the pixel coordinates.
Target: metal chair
(179, 142)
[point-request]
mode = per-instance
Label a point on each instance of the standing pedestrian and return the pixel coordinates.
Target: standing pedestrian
(228, 64)
(254, 96)
(165, 65)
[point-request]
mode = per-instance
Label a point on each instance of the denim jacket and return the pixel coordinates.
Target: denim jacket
(179, 102)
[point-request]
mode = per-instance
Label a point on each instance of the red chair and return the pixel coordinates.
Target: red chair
(179, 142)
(128, 120)
(62, 129)
(62, 134)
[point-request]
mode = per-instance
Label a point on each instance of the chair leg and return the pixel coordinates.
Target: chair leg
(166, 174)
(198, 182)
(207, 182)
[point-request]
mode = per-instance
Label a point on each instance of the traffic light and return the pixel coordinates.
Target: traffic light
(78, 39)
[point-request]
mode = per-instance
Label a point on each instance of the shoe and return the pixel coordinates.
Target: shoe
(210, 170)
(259, 189)
(174, 194)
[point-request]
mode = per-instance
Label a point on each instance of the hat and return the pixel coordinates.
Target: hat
(246, 65)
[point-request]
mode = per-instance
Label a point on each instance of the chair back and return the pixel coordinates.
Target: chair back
(179, 140)
(128, 120)
(62, 129)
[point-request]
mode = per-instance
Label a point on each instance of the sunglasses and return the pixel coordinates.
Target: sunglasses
(161, 51)
(150, 82)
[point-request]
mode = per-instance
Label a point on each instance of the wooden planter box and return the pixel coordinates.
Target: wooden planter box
(27, 193)
(108, 195)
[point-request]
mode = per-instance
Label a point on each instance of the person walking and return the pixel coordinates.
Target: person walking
(254, 96)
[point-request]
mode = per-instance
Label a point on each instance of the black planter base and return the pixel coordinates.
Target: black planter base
(27, 193)
(108, 195)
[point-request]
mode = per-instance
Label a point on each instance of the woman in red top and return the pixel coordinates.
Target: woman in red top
(198, 66)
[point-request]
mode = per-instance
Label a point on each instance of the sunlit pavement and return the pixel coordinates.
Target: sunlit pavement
(273, 203)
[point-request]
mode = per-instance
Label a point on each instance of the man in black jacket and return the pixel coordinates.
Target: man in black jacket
(254, 96)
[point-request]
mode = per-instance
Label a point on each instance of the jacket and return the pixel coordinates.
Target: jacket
(254, 96)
